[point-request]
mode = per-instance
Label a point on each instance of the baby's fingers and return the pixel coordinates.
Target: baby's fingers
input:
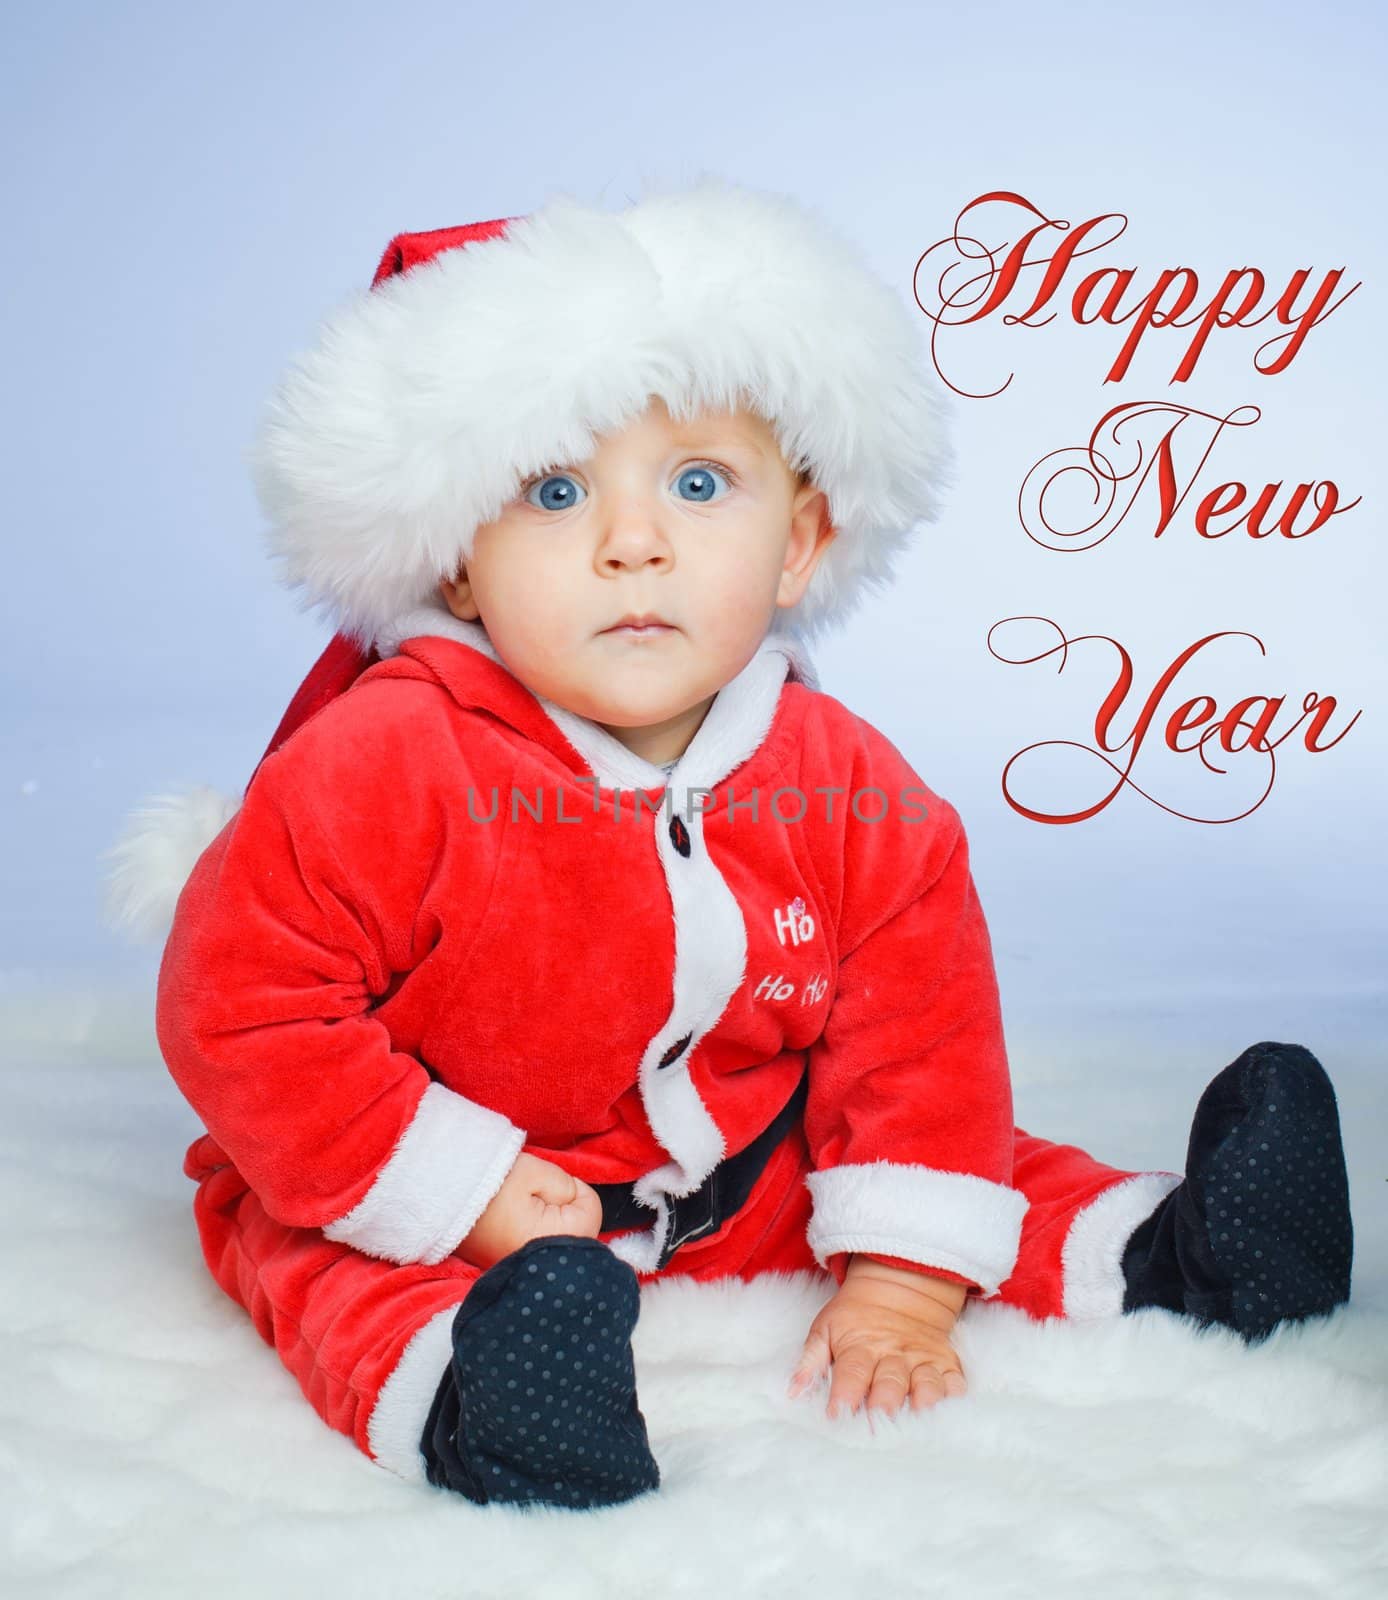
(585, 1212)
(929, 1385)
(852, 1379)
(580, 1211)
(813, 1361)
(556, 1188)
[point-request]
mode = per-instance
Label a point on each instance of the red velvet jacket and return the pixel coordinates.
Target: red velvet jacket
(440, 930)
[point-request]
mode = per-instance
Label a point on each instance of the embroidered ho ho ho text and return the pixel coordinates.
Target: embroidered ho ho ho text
(794, 924)
(868, 804)
(777, 987)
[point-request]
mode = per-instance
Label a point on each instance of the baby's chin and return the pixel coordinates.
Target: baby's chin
(631, 694)
(628, 704)
(629, 711)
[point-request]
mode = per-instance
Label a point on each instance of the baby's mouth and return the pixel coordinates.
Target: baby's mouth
(649, 628)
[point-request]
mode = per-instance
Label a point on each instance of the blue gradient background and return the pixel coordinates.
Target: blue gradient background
(189, 190)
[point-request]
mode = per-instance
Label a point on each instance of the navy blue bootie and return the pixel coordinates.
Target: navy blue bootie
(1259, 1230)
(538, 1404)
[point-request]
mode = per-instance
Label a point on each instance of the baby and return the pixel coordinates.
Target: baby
(569, 937)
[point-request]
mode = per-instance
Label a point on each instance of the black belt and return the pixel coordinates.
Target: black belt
(717, 1198)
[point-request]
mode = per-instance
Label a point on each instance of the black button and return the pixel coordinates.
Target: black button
(675, 1051)
(679, 834)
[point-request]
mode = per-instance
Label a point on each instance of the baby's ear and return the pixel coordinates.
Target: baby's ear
(812, 505)
(457, 595)
(812, 531)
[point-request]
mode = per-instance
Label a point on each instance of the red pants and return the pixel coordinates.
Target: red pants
(368, 1339)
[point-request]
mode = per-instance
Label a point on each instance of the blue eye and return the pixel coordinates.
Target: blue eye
(702, 481)
(558, 491)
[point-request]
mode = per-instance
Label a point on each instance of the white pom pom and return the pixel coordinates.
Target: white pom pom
(156, 853)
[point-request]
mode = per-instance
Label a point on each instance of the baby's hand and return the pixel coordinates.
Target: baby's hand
(886, 1333)
(538, 1198)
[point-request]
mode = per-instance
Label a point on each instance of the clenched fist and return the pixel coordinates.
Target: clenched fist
(537, 1198)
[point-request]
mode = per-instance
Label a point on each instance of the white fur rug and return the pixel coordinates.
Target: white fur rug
(152, 1445)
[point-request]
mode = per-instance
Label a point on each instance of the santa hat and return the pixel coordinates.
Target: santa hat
(485, 353)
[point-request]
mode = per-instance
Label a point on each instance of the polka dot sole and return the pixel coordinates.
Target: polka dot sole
(1277, 1195)
(546, 1383)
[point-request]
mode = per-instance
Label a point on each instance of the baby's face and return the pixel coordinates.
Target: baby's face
(701, 524)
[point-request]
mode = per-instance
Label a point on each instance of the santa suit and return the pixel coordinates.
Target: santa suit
(440, 930)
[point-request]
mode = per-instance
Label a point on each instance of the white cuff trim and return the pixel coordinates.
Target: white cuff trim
(1092, 1255)
(954, 1220)
(396, 1427)
(450, 1162)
